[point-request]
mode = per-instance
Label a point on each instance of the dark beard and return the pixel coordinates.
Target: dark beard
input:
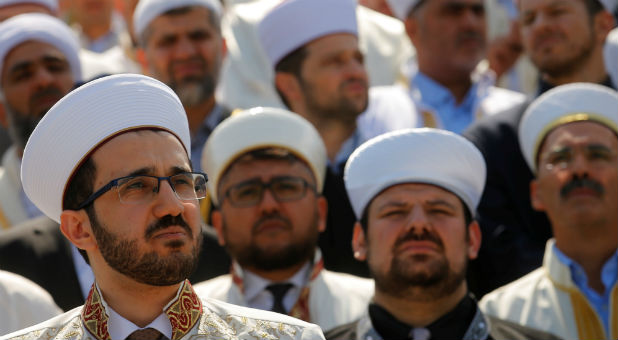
(560, 68)
(253, 256)
(193, 90)
(344, 110)
(436, 281)
(149, 268)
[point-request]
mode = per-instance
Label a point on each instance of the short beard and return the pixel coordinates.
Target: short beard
(149, 268)
(21, 125)
(253, 256)
(560, 68)
(194, 90)
(438, 280)
(343, 109)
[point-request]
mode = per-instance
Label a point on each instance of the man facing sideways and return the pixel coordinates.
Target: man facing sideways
(564, 40)
(267, 168)
(569, 138)
(183, 48)
(450, 40)
(320, 75)
(110, 162)
(416, 232)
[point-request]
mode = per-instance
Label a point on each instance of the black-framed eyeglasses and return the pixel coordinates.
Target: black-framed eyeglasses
(138, 189)
(283, 189)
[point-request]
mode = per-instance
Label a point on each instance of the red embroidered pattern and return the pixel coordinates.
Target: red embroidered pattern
(94, 316)
(185, 312)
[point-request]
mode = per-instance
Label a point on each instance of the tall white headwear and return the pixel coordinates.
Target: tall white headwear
(294, 23)
(148, 10)
(402, 8)
(257, 128)
(610, 5)
(43, 28)
(562, 105)
(83, 120)
(424, 155)
(51, 5)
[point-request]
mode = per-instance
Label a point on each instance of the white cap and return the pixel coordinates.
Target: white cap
(86, 117)
(51, 5)
(43, 28)
(610, 5)
(259, 128)
(147, 10)
(424, 155)
(294, 23)
(562, 105)
(402, 8)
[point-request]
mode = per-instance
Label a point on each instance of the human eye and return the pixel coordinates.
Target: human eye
(134, 188)
(245, 192)
(182, 180)
(599, 153)
(559, 157)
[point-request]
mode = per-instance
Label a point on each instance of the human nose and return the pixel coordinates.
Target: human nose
(417, 219)
(184, 48)
(268, 201)
(166, 200)
(43, 77)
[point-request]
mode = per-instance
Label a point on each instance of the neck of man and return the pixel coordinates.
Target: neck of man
(196, 114)
(419, 312)
(277, 275)
(591, 70)
(137, 302)
(458, 82)
(575, 242)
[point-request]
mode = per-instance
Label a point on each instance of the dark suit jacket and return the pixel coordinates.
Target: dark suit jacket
(37, 250)
(514, 235)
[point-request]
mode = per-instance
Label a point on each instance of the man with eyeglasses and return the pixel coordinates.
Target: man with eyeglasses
(111, 163)
(569, 138)
(267, 169)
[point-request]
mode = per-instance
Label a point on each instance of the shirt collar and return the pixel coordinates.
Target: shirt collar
(436, 95)
(255, 284)
(345, 151)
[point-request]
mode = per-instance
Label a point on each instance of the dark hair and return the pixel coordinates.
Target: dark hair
(80, 187)
(593, 7)
(291, 63)
(213, 18)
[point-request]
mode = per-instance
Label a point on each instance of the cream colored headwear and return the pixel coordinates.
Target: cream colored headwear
(148, 10)
(86, 117)
(561, 105)
(401, 8)
(425, 155)
(293, 23)
(259, 128)
(51, 5)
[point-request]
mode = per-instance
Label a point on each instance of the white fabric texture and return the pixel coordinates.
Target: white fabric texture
(401, 8)
(259, 128)
(610, 54)
(423, 155)
(83, 119)
(561, 105)
(43, 28)
(148, 10)
(52, 5)
(23, 303)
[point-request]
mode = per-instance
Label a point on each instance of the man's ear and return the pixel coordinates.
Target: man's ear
(75, 226)
(411, 25)
(474, 240)
(288, 84)
(3, 122)
(603, 23)
(217, 223)
(535, 199)
(322, 213)
(359, 242)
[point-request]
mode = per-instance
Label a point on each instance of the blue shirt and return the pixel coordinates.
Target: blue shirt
(609, 276)
(202, 134)
(430, 95)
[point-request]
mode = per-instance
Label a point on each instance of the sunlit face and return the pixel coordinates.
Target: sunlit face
(449, 34)
(333, 78)
(417, 245)
(155, 242)
(34, 77)
(558, 36)
(269, 235)
(185, 52)
(577, 179)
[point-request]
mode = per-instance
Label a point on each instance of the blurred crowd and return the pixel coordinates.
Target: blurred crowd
(383, 169)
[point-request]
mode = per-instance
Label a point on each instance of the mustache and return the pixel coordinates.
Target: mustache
(270, 217)
(469, 35)
(46, 92)
(582, 183)
(426, 235)
(168, 221)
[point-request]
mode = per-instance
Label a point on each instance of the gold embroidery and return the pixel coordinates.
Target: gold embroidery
(94, 316)
(185, 312)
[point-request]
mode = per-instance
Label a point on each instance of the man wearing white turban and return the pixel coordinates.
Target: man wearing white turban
(124, 192)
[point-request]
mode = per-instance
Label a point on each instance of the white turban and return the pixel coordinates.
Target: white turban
(262, 128)
(561, 105)
(401, 8)
(424, 155)
(51, 5)
(294, 23)
(43, 28)
(87, 116)
(147, 10)
(610, 5)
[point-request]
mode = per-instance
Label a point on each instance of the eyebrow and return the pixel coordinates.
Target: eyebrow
(174, 170)
(441, 202)
(27, 63)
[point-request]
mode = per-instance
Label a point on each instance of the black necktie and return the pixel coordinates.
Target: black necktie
(278, 290)
(146, 334)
